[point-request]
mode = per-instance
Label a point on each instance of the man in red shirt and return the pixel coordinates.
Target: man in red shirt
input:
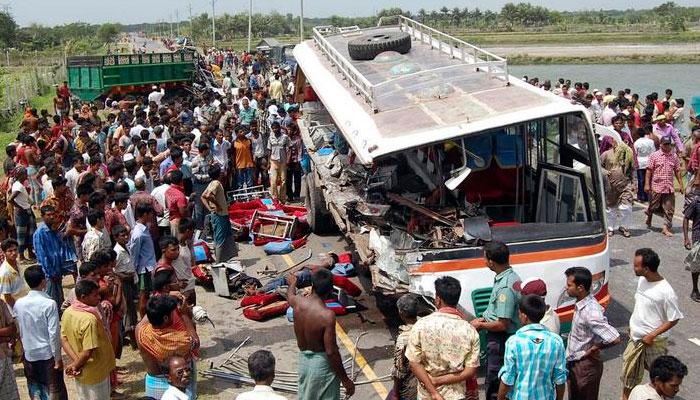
(663, 166)
(175, 199)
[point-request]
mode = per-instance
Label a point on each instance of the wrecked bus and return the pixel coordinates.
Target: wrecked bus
(422, 148)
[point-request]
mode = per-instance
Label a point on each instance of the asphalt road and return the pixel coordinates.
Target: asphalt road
(376, 346)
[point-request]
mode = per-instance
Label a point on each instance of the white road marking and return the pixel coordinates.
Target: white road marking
(695, 341)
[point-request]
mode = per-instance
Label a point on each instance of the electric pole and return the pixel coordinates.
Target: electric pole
(250, 22)
(191, 31)
(213, 25)
(177, 20)
(171, 25)
(301, 23)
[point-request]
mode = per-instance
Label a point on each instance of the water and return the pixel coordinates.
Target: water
(683, 79)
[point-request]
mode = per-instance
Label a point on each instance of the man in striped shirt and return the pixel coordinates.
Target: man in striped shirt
(590, 333)
(534, 365)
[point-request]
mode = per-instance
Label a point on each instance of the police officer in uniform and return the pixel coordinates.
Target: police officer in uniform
(500, 319)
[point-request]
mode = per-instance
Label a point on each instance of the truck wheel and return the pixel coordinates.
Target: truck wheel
(369, 46)
(318, 216)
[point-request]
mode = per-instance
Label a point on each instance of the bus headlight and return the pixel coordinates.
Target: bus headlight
(596, 286)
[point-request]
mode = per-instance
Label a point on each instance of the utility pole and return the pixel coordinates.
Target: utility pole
(191, 32)
(301, 23)
(171, 25)
(213, 25)
(177, 20)
(250, 22)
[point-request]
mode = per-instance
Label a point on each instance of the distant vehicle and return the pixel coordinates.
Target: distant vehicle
(90, 77)
(281, 54)
(422, 148)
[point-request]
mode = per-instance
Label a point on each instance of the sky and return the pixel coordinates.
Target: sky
(56, 12)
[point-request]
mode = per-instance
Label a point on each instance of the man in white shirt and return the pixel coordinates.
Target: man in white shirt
(156, 95)
(73, 173)
(644, 147)
(159, 194)
(179, 372)
(655, 312)
(38, 322)
(261, 366)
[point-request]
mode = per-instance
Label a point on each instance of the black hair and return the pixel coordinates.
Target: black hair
(497, 252)
(664, 368)
(176, 176)
(121, 197)
(322, 283)
(84, 287)
(167, 240)
(96, 198)
(162, 278)
(534, 307)
(114, 168)
(203, 147)
(34, 275)
(408, 305)
(47, 209)
(142, 209)
(176, 152)
(83, 189)
(582, 277)
(95, 215)
(101, 258)
(159, 307)
(215, 171)
(87, 267)
(118, 230)
(185, 224)
(7, 243)
(261, 366)
(448, 289)
(649, 258)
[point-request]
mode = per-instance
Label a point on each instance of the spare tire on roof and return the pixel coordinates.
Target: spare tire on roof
(369, 46)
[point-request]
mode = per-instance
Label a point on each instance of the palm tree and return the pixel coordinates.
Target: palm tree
(456, 16)
(422, 14)
(445, 12)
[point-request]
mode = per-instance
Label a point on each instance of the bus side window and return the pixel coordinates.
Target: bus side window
(552, 141)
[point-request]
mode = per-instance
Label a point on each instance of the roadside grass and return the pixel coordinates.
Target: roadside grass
(525, 59)
(528, 38)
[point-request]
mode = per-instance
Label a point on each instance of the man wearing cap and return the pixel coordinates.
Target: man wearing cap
(156, 95)
(537, 287)
(500, 319)
(663, 129)
(662, 166)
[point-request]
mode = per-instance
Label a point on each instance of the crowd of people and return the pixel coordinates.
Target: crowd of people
(120, 189)
(655, 156)
(437, 356)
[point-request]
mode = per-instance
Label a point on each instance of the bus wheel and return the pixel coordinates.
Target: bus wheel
(317, 216)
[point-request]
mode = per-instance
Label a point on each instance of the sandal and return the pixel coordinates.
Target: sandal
(625, 232)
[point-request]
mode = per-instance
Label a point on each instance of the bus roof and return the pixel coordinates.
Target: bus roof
(441, 89)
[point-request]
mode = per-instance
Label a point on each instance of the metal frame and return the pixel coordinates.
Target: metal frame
(494, 66)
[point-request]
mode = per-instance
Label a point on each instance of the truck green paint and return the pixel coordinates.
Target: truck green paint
(90, 77)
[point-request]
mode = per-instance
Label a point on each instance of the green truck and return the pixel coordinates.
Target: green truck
(90, 77)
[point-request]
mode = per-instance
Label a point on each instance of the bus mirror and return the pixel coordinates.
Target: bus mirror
(458, 176)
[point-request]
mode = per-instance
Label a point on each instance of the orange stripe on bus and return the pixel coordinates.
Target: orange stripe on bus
(522, 258)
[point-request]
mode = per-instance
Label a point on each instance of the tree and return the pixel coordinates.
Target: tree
(8, 30)
(422, 14)
(108, 32)
(667, 9)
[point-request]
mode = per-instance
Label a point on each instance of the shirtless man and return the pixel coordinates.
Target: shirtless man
(320, 367)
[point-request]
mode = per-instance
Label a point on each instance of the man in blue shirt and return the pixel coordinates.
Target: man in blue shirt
(534, 365)
(53, 252)
(143, 253)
